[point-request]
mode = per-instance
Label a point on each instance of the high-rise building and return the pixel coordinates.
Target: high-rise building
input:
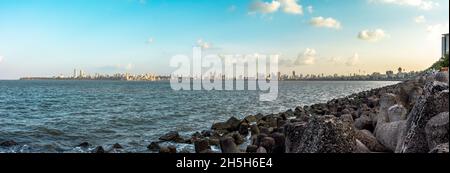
(445, 43)
(74, 73)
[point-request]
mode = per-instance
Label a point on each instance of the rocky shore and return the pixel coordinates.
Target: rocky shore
(409, 117)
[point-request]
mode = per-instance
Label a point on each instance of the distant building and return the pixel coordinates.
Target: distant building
(445, 43)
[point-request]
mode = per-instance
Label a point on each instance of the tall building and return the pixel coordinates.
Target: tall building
(74, 73)
(445, 44)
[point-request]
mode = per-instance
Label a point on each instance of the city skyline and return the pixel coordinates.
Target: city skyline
(47, 38)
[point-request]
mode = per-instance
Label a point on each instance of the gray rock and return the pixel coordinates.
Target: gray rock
(98, 149)
(361, 148)
(172, 136)
(437, 130)
(280, 143)
(227, 145)
(367, 138)
(433, 102)
(441, 148)
(8, 143)
(252, 149)
(396, 113)
(364, 122)
(442, 77)
(268, 143)
(261, 150)
(201, 145)
(321, 134)
(231, 124)
(390, 134)
(153, 146)
(254, 129)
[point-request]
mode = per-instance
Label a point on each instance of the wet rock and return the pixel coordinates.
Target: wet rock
(321, 134)
(206, 133)
(227, 145)
(214, 141)
(364, 122)
(252, 149)
(243, 129)
(164, 150)
(153, 146)
(437, 130)
(98, 149)
(257, 141)
(268, 143)
(9, 143)
(173, 137)
(440, 149)
(264, 130)
(172, 149)
(254, 129)
(201, 145)
(84, 145)
(280, 143)
(433, 102)
(238, 139)
(261, 150)
(251, 119)
(369, 140)
(396, 113)
(361, 148)
(231, 124)
(117, 146)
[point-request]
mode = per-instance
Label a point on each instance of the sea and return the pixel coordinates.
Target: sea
(49, 116)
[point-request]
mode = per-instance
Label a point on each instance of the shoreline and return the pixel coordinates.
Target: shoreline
(271, 133)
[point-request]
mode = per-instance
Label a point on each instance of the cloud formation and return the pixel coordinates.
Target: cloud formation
(420, 19)
(352, 61)
(372, 35)
(421, 4)
(325, 22)
(307, 58)
(266, 7)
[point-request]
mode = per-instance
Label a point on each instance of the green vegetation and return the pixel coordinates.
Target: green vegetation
(443, 62)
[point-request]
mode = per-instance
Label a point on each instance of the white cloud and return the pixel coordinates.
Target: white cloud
(310, 9)
(325, 22)
(352, 61)
(307, 58)
(436, 30)
(421, 4)
(372, 35)
(259, 6)
(291, 6)
(204, 44)
(420, 19)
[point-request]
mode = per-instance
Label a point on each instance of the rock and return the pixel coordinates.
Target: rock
(441, 148)
(367, 138)
(201, 145)
(243, 129)
(164, 150)
(268, 143)
(364, 122)
(251, 119)
(396, 113)
(172, 149)
(437, 130)
(9, 143)
(264, 130)
(231, 124)
(390, 134)
(84, 145)
(433, 102)
(153, 146)
(280, 143)
(117, 146)
(257, 141)
(206, 133)
(228, 145)
(254, 129)
(173, 137)
(361, 148)
(252, 149)
(442, 77)
(321, 134)
(238, 139)
(98, 149)
(214, 141)
(261, 150)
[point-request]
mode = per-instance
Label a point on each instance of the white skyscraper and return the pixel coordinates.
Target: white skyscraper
(445, 43)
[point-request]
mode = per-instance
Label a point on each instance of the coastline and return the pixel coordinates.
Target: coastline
(356, 115)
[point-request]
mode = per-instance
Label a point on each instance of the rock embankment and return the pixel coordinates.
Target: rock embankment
(409, 117)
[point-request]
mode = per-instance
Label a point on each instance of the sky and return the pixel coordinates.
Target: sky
(54, 37)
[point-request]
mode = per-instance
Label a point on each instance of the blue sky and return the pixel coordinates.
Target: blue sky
(52, 37)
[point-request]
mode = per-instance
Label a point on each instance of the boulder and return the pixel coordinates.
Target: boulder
(367, 138)
(321, 134)
(442, 77)
(261, 150)
(172, 137)
(243, 129)
(227, 145)
(441, 148)
(9, 143)
(231, 124)
(361, 148)
(154, 146)
(98, 149)
(238, 139)
(268, 143)
(252, 149)
(254, 129)
(201, 145)
(437, 130)
(117, 146)
(390, 134)
(172, 149)
(84, 145)
(433, 102)
(396, 113)
(364, 122)
(280, 143)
